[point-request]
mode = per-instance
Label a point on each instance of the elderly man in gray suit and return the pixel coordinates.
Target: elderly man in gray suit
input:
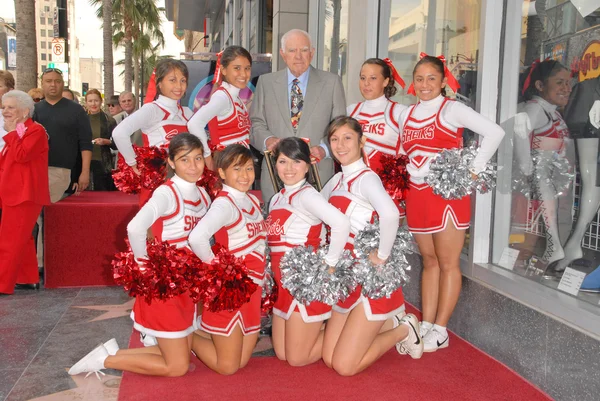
(297, 101)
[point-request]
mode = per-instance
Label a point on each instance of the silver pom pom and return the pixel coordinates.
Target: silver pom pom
(308, 278)
(450, 175)
(269, 281)
(552, 170)
(382, 280)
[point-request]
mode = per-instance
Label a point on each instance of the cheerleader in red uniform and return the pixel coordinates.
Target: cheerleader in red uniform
(355, 336)
(236, 222)
(159, 120)
(177, 205)
(226, 114)
(296, 217)
(378, 115)
(434, 124)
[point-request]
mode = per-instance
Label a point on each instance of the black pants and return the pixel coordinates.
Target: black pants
(100, 179)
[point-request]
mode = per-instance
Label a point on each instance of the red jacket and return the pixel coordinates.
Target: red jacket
(24, 167)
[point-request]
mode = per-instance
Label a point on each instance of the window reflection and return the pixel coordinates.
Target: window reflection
(556, 195)
(335, 44)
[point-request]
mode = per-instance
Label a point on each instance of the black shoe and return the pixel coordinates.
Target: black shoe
(35, 286)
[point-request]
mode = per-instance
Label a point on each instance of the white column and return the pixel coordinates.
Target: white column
(287, 14)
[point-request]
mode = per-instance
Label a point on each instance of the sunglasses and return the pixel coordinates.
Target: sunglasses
(57, 70)
(38, 99)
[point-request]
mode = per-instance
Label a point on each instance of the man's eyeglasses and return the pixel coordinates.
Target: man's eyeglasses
(38, 99)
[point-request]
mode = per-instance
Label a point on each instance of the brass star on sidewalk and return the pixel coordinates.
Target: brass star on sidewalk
(112, 311)
(90, 389)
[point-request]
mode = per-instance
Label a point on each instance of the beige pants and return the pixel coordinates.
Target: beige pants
(58, 181)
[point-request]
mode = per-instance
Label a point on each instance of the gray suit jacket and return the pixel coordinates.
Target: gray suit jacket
(270, 115)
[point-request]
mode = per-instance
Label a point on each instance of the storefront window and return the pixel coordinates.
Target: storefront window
(335, 38)
(554, 220)
(448, 27)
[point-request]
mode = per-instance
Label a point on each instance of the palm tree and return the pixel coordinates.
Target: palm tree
(26, 45)
(109, 84)
(129, 18)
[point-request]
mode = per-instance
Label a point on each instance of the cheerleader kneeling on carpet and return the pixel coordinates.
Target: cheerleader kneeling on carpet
(355, 336)
(225, 113)
(438, 225)
(178, 205)
(296, 217)
(236, 222)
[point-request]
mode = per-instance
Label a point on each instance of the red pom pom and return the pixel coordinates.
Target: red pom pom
(126, 180)
(394, 176)
(223, 285)
(162, 276)
(270, 293)
(211, 183)
(152, 163)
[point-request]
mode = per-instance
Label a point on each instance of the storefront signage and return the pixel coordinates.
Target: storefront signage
(588, 65)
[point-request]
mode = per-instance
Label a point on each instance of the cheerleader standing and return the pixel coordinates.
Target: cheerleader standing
(178, 205)
(354, 338)
(159, 120)
(378, 115)
(434, 124)
(226, 114)
(296, 217)
(236, 221)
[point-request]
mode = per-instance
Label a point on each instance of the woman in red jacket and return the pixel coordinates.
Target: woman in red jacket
(23, 190)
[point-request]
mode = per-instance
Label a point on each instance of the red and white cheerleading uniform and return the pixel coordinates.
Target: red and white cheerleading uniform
(235, 219)
(177, 205)
(159, 122)
(296, 216)
(379, 119)
(227, 118)
(428, 128)
(550, 131)
(358, 193)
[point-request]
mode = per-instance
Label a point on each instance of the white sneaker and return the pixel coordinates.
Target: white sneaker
(396, 320)
(425, 329)
(435, 340)
(413, 343)
(148, 340)
(91, 363)
(111, 346)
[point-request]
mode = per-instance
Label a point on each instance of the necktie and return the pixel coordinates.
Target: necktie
(296, 104)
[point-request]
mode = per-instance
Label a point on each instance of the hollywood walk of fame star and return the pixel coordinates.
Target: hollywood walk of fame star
(90, 389)
(111, 311)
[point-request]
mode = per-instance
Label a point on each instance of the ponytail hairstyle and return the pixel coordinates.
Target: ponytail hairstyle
(227, 56)
(539, 71)
(390, 90)
(438, 65)
(164, 67)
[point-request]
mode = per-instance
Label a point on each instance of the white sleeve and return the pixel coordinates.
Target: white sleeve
(328, 188)
(350, 109)
(221, 213)
(314, 203)
(371, 188)
(219, 104)
(143, 119)
(460, 115)
(536, 115)
(161, 203)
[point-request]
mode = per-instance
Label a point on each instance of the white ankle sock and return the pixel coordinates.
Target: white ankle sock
(440, 329)
(426, 325)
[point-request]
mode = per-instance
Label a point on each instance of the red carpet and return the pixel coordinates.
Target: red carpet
(460, 372)
(82, 234)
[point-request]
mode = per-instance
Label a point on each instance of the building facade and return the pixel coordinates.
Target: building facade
(92, 73)
(515, 290)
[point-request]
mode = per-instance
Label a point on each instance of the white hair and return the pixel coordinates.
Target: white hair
(292, 32)
(24, 101)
